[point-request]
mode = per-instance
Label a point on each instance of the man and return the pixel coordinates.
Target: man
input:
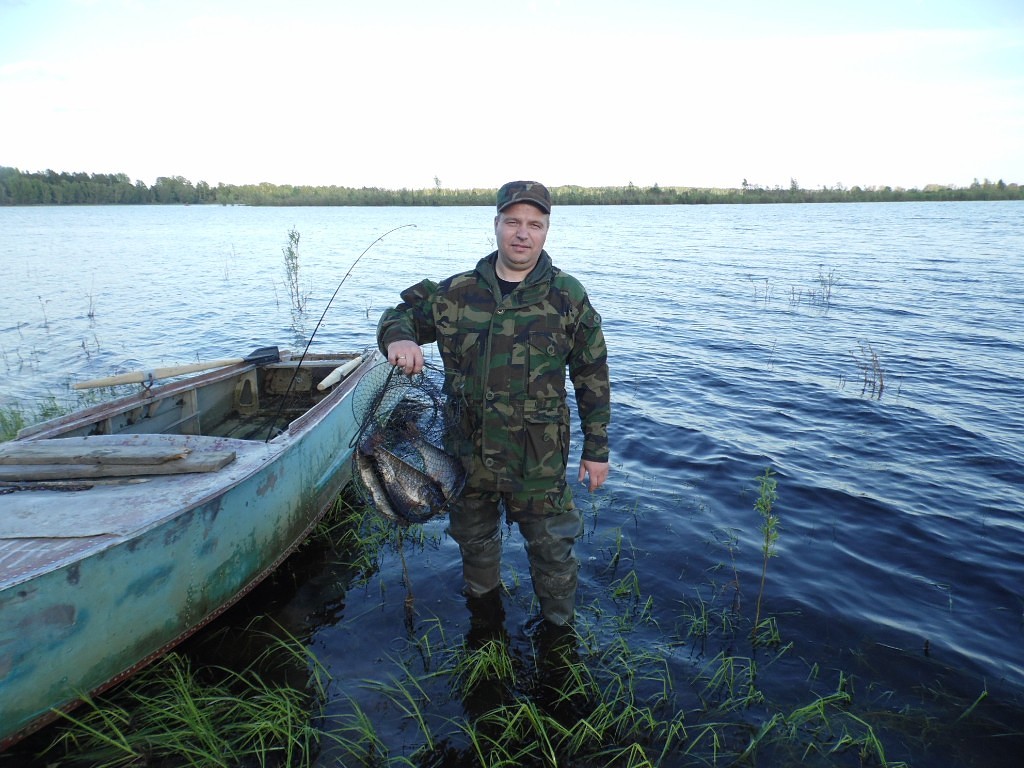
(506, 331)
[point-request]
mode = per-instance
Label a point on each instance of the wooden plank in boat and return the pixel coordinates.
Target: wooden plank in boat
(207, 461)
(61, 452)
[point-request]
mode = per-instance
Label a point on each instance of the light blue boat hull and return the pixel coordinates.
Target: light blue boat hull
(95, 583)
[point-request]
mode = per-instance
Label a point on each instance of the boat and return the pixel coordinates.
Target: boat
(128, 525)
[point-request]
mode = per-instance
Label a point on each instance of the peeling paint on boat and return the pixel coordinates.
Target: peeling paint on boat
(156, 558)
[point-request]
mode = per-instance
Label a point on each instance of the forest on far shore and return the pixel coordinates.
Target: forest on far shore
(52, 188)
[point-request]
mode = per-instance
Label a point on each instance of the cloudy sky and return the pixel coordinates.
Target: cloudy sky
(396, 93)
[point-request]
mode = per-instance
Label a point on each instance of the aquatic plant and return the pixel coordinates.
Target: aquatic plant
(490, 661)
(357, 536)
(291, 268)
(761, 294)
(826, 281)
(821, 295)
(406, 693)
(871, 370)
(765, 506)
(212, 716)
(14, 418)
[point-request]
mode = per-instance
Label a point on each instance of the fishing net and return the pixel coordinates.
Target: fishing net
(403, 463)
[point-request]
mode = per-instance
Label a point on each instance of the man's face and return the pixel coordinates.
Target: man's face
(520, 231)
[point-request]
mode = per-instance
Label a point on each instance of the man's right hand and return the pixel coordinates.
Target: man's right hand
(406, 355)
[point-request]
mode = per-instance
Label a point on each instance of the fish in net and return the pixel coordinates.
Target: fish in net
(404, 467)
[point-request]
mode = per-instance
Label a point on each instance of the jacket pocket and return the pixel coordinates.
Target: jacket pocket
(548, 354)
(545, 440)
(462, 352)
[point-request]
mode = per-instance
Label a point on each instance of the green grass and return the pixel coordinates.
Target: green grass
(490, 662)
(201, 717)
(765, 506)
(15, 418)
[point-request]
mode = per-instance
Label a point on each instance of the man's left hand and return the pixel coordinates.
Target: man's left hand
(597, 471)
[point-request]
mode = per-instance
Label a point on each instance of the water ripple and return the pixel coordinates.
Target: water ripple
(892, 408)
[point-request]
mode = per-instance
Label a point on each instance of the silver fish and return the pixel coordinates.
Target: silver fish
(415, 496)
(445, 469)
(371, 481)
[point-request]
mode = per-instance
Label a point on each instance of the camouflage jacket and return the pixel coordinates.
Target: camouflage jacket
(505, 362)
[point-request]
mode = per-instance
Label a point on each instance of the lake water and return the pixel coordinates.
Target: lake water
(871, 355)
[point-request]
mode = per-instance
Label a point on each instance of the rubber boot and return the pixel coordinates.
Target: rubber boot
(562, 692)
(486, 626)
(486, 619)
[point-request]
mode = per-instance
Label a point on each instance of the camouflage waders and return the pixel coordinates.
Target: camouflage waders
(549, 522)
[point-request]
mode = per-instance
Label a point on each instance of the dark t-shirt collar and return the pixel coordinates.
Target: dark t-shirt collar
(506, 286)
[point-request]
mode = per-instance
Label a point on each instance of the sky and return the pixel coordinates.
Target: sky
(472, 93)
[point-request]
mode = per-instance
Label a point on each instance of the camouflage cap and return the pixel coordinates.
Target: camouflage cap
(532, 192)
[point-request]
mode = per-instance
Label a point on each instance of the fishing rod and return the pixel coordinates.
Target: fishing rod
(270, 430)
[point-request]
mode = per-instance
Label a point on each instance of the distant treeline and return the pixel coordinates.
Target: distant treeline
(51, 188)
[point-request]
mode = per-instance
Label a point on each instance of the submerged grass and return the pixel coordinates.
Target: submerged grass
(490, 662)
(765, 506)
(212, 716)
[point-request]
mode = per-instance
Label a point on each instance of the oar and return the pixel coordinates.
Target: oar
(261, 356)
